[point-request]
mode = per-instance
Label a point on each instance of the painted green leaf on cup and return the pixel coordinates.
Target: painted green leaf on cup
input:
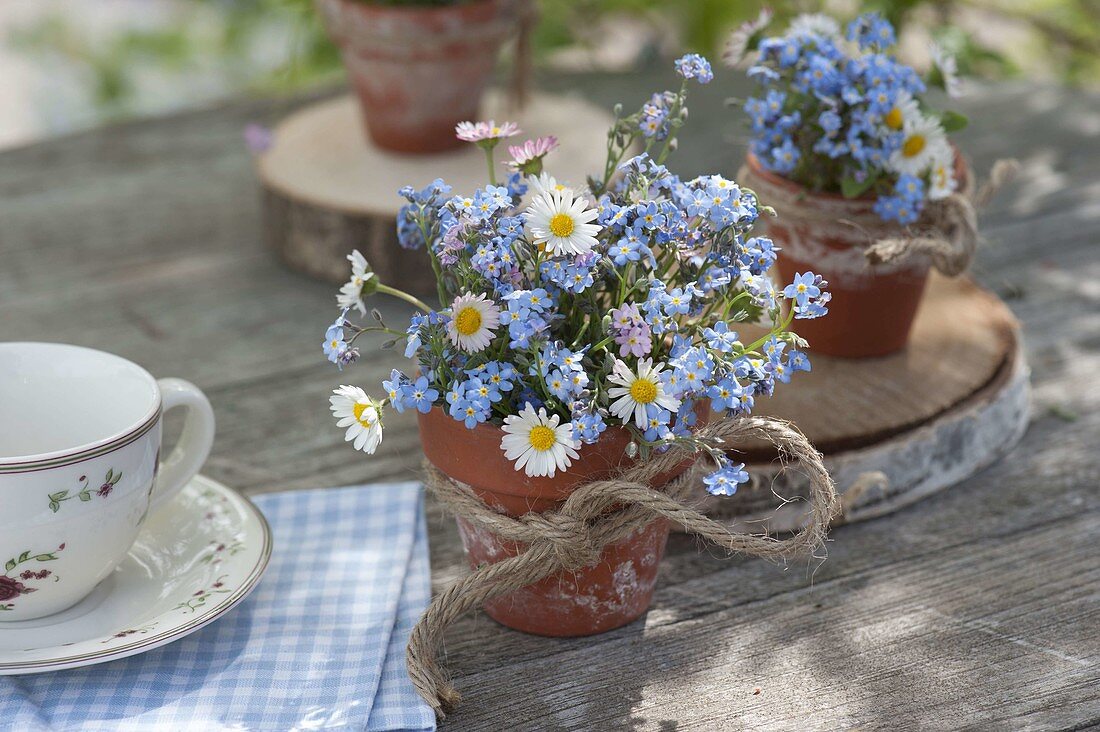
(86, 491)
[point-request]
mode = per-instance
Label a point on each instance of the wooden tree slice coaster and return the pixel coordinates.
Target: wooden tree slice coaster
(327, 190)
(896, 429)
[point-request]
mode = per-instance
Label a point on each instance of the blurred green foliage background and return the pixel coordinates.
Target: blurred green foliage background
(176, 52)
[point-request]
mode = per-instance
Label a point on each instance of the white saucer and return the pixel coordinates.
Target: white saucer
(194, 560)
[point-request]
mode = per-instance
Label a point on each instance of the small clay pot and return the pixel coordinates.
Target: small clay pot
(609, 594)
(873, 306)
(419, 70)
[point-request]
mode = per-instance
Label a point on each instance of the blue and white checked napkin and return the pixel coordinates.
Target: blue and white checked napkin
(320, 644)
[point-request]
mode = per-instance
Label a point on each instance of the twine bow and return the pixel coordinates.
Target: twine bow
(595, 515)
(948, 231)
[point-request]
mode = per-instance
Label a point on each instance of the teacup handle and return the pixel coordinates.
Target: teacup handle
(189, 454)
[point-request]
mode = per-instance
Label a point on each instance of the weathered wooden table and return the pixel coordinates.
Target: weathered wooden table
(977, 608)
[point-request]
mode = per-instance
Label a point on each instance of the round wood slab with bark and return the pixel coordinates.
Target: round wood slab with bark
(897, 428)
(327, 190)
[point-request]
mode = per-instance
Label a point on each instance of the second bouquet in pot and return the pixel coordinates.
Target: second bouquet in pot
(848, 151)
(582, 329)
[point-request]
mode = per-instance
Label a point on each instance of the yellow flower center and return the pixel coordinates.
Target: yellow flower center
(913, 146)
(541, 437)
(359, 410)
(893, 119)
(468, 321)
(561, 225)
(643, 391)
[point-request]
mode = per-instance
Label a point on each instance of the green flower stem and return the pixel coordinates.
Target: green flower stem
(622, 283)
(416, 302)
(436, 268)
(538, 267)
(580, 334)
(602, 344)
(774, 332)
(551, 400)
(489, 161)
(732, 302)
(376, 329)
(613, 163)
(674, 120)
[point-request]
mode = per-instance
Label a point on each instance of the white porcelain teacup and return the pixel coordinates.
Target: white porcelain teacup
(80, 435)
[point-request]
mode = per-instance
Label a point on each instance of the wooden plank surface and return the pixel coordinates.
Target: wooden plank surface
(962, 338)
(974, 609)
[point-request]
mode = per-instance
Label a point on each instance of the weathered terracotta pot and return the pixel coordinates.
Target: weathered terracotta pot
(613, 592)
(873, 306)
(418, 70)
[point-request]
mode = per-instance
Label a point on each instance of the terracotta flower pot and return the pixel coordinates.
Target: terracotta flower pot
(611, 593)
(418, 70)
(873, 306)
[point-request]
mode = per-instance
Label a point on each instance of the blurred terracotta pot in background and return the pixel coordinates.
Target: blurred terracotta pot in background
(418, 70)
(609, 594)
(873, 306)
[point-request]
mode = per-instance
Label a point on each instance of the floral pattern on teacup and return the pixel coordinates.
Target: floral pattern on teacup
(86, 492)
(13, 584)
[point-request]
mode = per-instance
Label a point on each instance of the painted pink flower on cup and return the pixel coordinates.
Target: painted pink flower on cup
(85, 492)
(12, 587)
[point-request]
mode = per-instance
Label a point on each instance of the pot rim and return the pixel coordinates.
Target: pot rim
(414, 11)
(422, 33)
(597, 461)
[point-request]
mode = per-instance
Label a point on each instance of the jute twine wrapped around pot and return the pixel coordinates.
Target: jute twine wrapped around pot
(947, 232)
(595, 515)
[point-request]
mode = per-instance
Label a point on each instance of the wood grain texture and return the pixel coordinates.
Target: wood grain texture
(961, 339)
(882, 477)
(328, 191)
(974, 609)
(956, 399)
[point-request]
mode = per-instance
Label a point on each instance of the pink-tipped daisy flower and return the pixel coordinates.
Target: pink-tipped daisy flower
(485, 131)
(528, 156)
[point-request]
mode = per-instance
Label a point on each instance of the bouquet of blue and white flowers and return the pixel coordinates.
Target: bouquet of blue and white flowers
(571, 310)
(838, 113)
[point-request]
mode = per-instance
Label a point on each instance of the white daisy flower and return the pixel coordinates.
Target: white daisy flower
(942, 181)
(546, 183)
(818, 23)
(737, 45)
(905, 110)
(360, 414)
(949, 69)
(473, 320)
(637, 391)
(924, 143)
(561, 223)
(352, 292)
(537, 443)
